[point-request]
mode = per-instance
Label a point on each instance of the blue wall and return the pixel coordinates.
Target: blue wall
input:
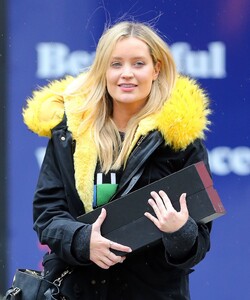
(210, 41)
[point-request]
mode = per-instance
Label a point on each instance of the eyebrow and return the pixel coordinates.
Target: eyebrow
(136, 57)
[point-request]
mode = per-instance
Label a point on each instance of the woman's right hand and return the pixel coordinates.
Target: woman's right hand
(100, 247)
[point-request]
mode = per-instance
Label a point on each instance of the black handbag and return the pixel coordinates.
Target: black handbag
(32, 285)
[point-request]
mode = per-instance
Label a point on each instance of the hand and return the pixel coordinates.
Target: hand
(167, 218)
(100, 247)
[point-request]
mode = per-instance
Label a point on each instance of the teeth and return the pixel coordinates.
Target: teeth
(127, 85)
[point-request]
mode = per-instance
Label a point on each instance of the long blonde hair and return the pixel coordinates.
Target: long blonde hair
(97, 106)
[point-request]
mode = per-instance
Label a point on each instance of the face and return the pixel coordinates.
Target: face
(130, 73)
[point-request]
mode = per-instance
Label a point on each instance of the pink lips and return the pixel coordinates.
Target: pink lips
(126, 87)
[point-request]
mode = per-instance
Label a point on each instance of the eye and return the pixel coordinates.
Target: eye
(115, 64)
(139, 63)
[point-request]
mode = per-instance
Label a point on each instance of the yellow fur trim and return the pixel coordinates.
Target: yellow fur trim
(183, 118)
(45, 109)
(184, 115)
(85, 156)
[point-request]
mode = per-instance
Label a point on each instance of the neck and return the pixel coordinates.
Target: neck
(122, 114)
(121, 124)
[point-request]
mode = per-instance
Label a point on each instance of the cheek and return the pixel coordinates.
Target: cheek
(111, 78)
(110, 82)
(147, 83)
(146, 87)
(146, 78)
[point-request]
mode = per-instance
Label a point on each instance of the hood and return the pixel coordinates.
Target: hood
(182, 119)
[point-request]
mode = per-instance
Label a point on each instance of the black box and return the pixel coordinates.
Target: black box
(125, 222)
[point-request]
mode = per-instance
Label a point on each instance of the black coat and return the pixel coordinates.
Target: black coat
(147, 274)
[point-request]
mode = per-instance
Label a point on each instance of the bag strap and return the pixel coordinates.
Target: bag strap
(60, 279)
(13, 293)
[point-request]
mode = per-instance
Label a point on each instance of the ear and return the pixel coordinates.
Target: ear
(157, 68)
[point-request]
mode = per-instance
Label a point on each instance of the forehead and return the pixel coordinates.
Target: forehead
(130, 46)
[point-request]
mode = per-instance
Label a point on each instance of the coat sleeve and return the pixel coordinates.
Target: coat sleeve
(54, 224)
(198, 241)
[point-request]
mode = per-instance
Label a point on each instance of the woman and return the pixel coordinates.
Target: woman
(130, 113)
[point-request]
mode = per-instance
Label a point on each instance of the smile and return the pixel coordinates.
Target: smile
(127, 85)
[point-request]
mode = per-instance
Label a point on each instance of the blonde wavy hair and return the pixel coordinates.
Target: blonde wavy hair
(97, 107)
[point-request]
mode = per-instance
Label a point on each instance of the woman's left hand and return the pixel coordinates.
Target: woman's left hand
(167, 218)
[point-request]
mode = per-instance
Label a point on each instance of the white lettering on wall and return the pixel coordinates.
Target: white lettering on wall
(201, 64)
(55, 60)
(223, 160)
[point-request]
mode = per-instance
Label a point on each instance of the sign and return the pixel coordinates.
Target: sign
(210, 42)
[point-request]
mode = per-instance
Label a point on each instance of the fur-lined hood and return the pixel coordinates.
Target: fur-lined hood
(182, 119)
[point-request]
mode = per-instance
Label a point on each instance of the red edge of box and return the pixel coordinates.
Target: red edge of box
(204, 175)
(215, 200)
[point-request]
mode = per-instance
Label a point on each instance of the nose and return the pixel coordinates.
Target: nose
(127, 72)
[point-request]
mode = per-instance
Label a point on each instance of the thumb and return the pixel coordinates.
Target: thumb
(183, 203)
(100, 219)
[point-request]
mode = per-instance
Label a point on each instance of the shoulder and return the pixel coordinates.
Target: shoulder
(45, 108)
(184, 116)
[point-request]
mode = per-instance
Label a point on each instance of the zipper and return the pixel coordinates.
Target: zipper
(135, 174)
(140, 141)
